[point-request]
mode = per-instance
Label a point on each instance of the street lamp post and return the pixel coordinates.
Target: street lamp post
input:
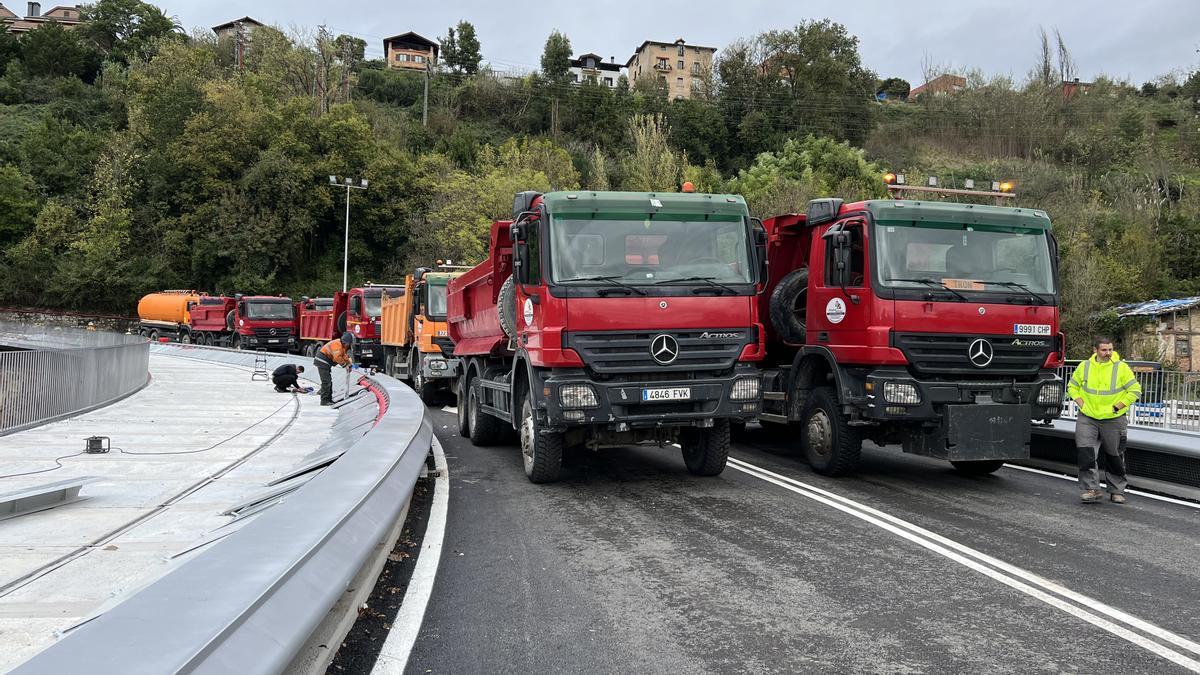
(348, 182)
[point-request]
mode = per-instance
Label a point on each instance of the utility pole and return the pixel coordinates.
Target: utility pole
(425, 105)
(348, 182)
(240, 47)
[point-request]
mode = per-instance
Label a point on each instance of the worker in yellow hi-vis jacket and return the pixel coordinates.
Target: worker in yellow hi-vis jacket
(1103, 387)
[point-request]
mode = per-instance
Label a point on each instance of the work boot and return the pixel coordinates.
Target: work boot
(326, 402)
(1117, 498)
(1091, 496)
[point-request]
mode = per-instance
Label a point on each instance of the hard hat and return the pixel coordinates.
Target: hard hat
(347, 338)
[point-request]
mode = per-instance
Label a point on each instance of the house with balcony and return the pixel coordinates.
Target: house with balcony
(592, 68)
(65, 15)
(410, 51)
(682, 67)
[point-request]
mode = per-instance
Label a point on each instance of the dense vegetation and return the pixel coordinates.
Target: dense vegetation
(134, 157)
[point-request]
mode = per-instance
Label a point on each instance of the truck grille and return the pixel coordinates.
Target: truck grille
(445, 344)
(625, 352)
(938, 354)
(272, 332)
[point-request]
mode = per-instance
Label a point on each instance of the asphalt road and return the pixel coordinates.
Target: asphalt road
(631, 564)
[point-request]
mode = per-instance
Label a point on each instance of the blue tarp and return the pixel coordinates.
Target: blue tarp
(1157, 307)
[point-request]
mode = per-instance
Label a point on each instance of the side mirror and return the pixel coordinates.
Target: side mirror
(841, 256)
(760, 248)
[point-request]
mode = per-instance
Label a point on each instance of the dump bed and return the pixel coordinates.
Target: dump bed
(210, 314)
(396, 321)
(474, 324)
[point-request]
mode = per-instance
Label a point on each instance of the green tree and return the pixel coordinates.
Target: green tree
(350, 49)
(895, 88)
(652, 166)
(556, 58)
(53, 51)
(18, 205)
(468, 56)
(125, 30)
(449, 49)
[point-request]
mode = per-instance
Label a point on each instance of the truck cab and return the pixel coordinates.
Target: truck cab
(415, 336)
(262, 322)
(605, 319)
(933, 325)
(357, 311)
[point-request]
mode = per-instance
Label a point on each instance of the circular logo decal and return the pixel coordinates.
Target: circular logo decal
(982, 311)
(980, 353)
(835, 310)
(662, 304)
(664, 349)
(528, 312)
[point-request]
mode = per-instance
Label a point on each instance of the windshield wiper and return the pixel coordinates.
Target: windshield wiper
(612, 279)
(931, 282)
(1013, 284)
(707, 280)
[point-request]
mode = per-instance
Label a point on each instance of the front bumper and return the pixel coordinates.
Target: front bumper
(935, 396)
(620, 404)
(437, 367)
(368, 351)
(255, 342)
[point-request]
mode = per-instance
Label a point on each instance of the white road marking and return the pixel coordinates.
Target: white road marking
(400, 640)
(1007, 574)
(1139, 493)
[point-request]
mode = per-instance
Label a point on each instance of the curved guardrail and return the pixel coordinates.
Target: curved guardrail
(249, 602)
(55, 373)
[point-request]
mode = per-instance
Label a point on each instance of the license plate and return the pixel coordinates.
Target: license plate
(667, 394)
(274, 340)
(1031, 329)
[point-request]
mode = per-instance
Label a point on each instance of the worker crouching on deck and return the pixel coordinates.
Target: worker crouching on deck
(1103, 387)
(332, 353)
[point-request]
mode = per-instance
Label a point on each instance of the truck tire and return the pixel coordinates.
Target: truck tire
(236, 341)
(485, 430)
(185, 336)
(789, 308)
(541, 452)
(506, 307)
(425, 389)
(978, 467)
(341, 323)
(460, 406)
(152, 336)
(830, 445)
(705, 451)
(229, 321)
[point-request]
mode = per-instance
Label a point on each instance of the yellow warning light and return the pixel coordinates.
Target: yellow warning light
(889, 178)
(688, 187)
(1006, 186)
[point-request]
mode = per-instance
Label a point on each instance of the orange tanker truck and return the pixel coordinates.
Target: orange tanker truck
(241, 322)
(417, 346)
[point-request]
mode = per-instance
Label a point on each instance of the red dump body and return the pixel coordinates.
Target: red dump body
(211, 313)
(473, 322)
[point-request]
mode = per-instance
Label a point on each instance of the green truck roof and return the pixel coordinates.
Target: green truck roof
(947, 212)
(583, 201)
(439, 278)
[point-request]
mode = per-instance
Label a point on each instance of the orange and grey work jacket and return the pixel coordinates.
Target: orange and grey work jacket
(335, 353)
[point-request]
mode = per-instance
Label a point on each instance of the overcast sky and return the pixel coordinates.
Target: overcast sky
(1136, 41)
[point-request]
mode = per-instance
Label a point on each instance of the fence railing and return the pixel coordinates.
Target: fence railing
(1170, 400)
(59, 372)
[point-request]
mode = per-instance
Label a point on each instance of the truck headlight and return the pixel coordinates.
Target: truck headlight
(744, 389)
(901, 392)
(437, 364)
(1050, 394)
(577, 396)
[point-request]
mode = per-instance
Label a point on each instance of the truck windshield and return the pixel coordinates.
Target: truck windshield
(435, 306)
(647, 251)
(373, 300)
(963, 257)
(268, 311)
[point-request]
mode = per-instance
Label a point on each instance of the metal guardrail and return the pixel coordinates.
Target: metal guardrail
(1170, 400)
(249, 602)
(61, 372)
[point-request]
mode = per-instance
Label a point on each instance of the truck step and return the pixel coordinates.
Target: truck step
(771, 417)
(774, 396)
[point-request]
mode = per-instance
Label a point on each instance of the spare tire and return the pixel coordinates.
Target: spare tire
(341, 323)
(506, 306)
(229, 320)
(789, 306)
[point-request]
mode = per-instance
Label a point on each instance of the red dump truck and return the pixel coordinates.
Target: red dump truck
(356, 311)
(604, 319)
(241, 322)
(931, 325)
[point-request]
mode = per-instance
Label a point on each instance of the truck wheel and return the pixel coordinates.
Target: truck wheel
(237, 341)
(789, 306)
(541, 453)
(341, 323)
(705, 451)
(830, 445)
(460, 406)
(506, 307)
(485, 429)
(186, 337)
(978, 467)
(153, 336)
(428, 391)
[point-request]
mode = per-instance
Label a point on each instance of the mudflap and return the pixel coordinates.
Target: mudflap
(975, 432)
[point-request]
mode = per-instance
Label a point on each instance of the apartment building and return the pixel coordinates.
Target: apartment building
(66, 15)
(682, 67)
(592, 68)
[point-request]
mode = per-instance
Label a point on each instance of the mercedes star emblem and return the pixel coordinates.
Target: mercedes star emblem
(980, 353)
(664, 349)
(272, 331)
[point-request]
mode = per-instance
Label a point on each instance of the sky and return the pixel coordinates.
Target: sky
(1134, 41)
